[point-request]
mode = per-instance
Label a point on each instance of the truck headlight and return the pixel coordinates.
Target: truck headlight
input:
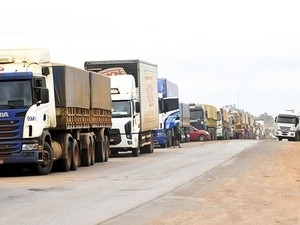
(28, 147)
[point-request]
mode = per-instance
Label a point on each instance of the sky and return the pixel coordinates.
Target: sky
(233, 52)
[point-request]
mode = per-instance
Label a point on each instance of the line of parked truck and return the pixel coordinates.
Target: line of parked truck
(58, 116)
(223, 123)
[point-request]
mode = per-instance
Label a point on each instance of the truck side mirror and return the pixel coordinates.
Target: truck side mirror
(137, 107)
(45, 70)
(44, 95)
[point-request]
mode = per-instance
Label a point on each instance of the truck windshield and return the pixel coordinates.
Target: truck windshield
(15, 94)
(286, 119)
(196, 114)
(121, 109)
(168, 105)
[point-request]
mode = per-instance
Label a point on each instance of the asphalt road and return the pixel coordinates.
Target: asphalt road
(113, 192)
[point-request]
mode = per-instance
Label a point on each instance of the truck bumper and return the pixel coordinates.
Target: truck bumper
(22, 157)
(124, 142)
(285, 135)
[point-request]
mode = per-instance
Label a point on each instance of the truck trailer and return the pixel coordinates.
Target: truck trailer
(51, 113)
(134, 103)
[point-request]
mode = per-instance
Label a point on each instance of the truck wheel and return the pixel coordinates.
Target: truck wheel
(148, 148)
(169, 138)
(65, 163)
(107, 148)
(135, 152)
(297, 136)
(75, 155)
(86, 155)
(45, 166)
(92, 147)
(151, 146)
(100, 151)
(211, 134)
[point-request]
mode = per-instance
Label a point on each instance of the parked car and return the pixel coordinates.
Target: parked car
(198, 135)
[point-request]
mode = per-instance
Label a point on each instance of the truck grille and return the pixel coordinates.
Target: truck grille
(8, 148)
(9, 129)
(285, 129)
(10, 136)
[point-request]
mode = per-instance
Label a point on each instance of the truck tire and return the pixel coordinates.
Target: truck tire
(297, 136)
(92, 147)
(211, 134)
(75, 155)
(148, 148)
(86, 155)
(135, 152)
(151, 146)
(107, 148)
(64, 164)
(45, 167)
(169, 138)
(100, 151)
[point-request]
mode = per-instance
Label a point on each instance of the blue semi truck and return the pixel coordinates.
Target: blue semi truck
(51, 114)
(168, 103)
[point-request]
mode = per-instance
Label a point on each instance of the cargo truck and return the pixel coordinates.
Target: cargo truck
(287, 125)
(134, 102)
(204, 117)
(223, 122)
(51, 114)
(168, 105)
(239, 122)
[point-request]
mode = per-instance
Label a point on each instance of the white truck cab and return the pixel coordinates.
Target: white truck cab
(287, 125)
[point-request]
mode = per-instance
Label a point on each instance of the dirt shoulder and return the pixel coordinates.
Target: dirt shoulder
(260, 186)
